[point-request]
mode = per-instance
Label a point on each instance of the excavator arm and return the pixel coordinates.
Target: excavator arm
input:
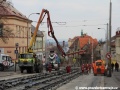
(50, 32)
(36, 30)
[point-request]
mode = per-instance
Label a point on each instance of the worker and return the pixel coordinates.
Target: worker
(82, 68)
(90, 68)
(87, 68)
(68, 68)
(49, 67)
(116, 67)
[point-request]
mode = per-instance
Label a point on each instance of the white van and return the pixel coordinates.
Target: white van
(5, 62)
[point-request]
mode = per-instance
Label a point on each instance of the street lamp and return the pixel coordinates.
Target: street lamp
(106, 36)
(107, 43)
(28, 27)
(32, 13)
(110, 27)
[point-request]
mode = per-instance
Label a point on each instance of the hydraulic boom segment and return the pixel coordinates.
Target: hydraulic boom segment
(50, 31)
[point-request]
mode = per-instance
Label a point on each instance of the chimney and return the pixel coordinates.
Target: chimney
(81, 32)
(118, 32)
(63, 43)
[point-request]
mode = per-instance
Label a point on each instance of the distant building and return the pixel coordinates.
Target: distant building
(38, 46)
(83, 43)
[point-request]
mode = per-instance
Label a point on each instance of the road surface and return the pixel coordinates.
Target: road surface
(84, 81)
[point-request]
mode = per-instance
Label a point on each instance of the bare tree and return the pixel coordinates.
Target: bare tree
(7, 33)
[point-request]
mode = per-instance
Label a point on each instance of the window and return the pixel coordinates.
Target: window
(40, 45)
(20, 14)
(22, 49)
(25, 56)
(4, 58)
(22, 31)
(17, 31)
(14, 12)
(98, 63)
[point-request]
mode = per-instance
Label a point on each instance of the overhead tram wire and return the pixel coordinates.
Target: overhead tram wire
(59, 23)
(76, 25)
(88, 20)
(63, 24)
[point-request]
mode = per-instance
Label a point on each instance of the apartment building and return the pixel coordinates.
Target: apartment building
(117, 43)
(16, 29)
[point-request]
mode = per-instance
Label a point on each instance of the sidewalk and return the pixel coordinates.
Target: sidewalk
(113, 81)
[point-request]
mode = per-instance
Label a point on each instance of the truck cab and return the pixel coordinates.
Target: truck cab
(30, 62)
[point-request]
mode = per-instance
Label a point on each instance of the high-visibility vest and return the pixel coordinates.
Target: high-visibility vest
(74, 60)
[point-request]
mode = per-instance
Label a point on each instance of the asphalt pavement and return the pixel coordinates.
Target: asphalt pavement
(113, 81)
(86, 80)
(94, 81)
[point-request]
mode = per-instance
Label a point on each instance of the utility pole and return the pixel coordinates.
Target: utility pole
(107, 38)
(107, 42)
(109, 64)
(92, 51)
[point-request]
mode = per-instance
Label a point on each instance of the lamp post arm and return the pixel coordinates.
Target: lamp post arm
(28, 27)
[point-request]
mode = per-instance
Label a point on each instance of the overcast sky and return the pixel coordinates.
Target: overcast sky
(86, 15)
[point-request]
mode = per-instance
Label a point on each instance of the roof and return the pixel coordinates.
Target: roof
(85, 40)
(6, 9)
(39, 33)
(73, 38)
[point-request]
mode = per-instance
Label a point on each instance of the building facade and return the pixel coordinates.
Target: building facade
(117, 43)
(83, 43)
(17, 28)
(39, 45)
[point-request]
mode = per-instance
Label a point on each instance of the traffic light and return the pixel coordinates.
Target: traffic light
(1, 29)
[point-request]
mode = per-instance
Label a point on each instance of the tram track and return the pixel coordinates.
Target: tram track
(39, 81)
